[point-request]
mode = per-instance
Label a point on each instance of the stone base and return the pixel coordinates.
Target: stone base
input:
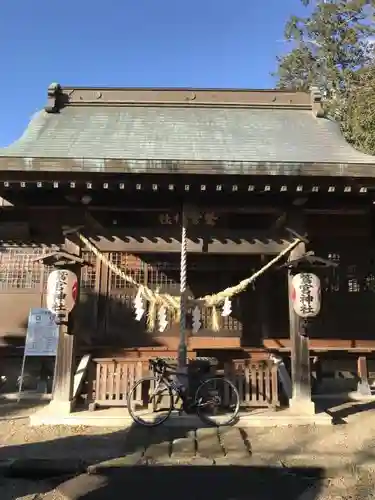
(363, 388)
(302, 406)
(118, 417)
(61, 407)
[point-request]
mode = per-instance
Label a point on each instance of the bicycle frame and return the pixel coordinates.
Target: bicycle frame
(179, 389)
(162, 378)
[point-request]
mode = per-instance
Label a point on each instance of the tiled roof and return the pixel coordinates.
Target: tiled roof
(162, 131)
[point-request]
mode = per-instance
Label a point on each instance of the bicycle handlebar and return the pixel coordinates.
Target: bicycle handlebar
(158, 365)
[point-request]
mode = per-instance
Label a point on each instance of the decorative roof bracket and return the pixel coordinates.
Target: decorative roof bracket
(55, 98)
(309, 260)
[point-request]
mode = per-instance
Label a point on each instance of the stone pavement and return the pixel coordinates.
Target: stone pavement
(167, 446)
(163, 462)
(206, 462)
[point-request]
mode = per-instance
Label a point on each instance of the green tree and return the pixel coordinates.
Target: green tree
(330, 49)
(358, 123)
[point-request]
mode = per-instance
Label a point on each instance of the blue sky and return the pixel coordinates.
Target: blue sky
(200, 43)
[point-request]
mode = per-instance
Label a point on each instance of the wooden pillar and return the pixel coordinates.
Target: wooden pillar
(103, 298)
(300, 357)
(264, 283)
(64, 371)
(62, 397)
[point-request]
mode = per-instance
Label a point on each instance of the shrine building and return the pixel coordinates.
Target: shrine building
(112, 176)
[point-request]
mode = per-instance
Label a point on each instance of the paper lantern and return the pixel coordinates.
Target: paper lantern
(62, 292)
(306, 295)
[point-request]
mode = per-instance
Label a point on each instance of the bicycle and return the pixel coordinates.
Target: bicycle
(163, 388)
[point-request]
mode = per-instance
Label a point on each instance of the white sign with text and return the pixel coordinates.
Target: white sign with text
(42, 333)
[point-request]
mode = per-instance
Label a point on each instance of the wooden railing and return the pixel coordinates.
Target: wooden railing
(110, 380)
(257, 382)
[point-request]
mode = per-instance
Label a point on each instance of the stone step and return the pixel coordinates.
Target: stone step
(184, 447)
(235, 442)
(158, 450)
(158, 443)
(208, 443)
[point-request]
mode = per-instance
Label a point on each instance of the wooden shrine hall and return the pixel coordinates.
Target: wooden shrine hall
(119, 177)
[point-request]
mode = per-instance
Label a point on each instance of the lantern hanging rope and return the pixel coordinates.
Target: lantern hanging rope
(172, 303)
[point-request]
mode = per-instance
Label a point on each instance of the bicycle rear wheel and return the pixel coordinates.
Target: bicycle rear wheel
(150, 402)
(217, 402)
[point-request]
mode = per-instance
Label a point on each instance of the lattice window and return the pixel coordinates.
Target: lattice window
(18, 269)
(230, 322)
(353, 282)
(226, 323)
(131, 265)
(332, 281)
(348, 277)
(369, 284)
(88, 273)
(164, 275)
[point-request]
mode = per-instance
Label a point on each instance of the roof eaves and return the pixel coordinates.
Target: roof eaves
(100, 165)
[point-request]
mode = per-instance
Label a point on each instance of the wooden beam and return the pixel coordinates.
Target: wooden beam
(322, 345)
(218, 209)
(201, 342)
(332, 207)
(214, 342)
(229, 242)
(160, 245)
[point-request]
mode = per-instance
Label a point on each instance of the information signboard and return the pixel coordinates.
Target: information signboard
(42, 333)
(42, 338)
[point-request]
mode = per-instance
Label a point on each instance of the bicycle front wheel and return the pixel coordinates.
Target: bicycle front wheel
(150, 402)
(217, 402)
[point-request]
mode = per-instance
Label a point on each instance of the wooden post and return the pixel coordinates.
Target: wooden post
(264, 283)
(62, 397)
(300, 357)
(64, 367)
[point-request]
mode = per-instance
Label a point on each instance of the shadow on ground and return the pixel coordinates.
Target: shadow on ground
(196, 482)
(341, 409)
(161, 476)
(12, 410)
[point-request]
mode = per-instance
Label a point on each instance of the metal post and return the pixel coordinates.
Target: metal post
(20, 384)
(183, 282)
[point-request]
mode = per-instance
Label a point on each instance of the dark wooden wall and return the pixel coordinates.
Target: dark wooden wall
(105, 316)
(22, 287)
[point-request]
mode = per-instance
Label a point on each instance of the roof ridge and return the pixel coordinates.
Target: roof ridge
(59, 97)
